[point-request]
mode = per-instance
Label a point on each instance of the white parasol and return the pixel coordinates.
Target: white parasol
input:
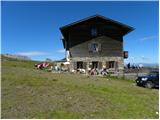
(66, 63)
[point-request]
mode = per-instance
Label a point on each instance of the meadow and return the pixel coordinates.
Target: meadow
(30, 93)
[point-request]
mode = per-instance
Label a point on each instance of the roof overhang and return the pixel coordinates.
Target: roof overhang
(124, 27)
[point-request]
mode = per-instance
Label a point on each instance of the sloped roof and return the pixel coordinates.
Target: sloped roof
(97, 16)
(123, 27)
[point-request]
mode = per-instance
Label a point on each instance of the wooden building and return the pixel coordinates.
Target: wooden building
(95, 42)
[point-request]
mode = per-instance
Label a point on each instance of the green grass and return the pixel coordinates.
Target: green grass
(30, 93)
(57, 115)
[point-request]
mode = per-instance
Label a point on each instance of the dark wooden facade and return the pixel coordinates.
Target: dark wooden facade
(108, 47)
(95, 39)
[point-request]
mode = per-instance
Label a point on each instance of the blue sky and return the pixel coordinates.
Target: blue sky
(32, 28)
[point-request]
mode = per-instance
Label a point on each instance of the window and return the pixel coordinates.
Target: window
(94, 47)
(94, 32)
(111, 64)
(125, 54)
(94, 64)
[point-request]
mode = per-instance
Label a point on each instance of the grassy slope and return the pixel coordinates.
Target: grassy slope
(29, 93)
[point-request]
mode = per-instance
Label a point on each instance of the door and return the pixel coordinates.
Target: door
(94, 64)
(79, 65)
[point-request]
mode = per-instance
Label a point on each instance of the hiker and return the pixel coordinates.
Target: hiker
(89, 70)
(104, 71)
(42, 65)
(38, 66)
(82, 71)
(93, 71)
(128, 66)
(50, 68)
(73, 71)
(56, 68)
(45, 64)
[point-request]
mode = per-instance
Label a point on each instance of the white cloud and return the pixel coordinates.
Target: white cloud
(145, 58)
(32, 53)
(133, 58)
(138, 59)
(61, 51)
(148, 38)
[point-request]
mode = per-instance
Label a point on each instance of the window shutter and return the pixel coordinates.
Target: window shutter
(116, 65)
(89, 47)
(75, 65)
(100, 65)
(99, 47)
(84, 65)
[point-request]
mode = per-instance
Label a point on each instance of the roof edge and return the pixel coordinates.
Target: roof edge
(96, 15)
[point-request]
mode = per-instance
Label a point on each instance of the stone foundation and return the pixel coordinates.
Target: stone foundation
(103, 60)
